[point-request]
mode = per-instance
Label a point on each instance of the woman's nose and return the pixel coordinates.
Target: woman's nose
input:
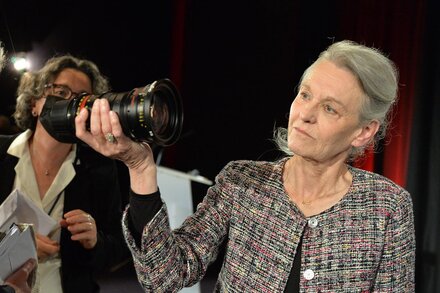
(308, 113)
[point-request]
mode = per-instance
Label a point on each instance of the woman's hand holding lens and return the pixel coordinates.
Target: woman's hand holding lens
(106, 137)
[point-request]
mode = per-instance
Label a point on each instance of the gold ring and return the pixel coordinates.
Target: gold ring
(110, 137)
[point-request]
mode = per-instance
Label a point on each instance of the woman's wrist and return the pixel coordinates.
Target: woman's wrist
(143, 179)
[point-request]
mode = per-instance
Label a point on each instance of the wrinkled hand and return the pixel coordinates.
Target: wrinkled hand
(46, 247)
(82, 226)
(105, 122)
(106, 137)
(19, 279)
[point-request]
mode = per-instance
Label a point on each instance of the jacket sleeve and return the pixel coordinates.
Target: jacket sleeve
(167, 260)
(397, 267)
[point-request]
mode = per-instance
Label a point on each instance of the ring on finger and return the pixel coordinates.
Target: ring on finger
(110, 137)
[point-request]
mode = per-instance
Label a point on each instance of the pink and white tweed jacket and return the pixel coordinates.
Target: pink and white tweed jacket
(365, 243)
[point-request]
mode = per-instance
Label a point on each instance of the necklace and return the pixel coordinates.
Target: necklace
(337, 193)
(38, 163)
(306, 202)
(309, 202)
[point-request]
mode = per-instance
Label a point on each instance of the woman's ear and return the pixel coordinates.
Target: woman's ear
(34, 108)
(37, 105)
(366, 134)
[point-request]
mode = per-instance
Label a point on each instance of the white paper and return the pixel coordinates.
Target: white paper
(17, 246)
(19, 208)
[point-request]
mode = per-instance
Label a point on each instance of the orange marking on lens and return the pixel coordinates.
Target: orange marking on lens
(82, 104)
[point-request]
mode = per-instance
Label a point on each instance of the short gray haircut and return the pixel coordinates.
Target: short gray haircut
(378, 77)
(31, 86)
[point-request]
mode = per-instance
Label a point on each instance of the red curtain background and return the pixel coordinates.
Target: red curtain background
(387, 25)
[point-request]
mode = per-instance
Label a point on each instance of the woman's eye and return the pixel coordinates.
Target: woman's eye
(304, 95)
(329, 109)
(60, 92)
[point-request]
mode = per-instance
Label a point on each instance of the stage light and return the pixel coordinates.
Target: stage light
(20, 63)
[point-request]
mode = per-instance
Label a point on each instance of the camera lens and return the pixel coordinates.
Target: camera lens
(159, 114)
(153, 114)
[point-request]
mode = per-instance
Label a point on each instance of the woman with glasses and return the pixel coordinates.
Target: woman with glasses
(73, 184)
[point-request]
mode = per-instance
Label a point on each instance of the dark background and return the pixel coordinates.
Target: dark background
(236, 64)
(237, 70)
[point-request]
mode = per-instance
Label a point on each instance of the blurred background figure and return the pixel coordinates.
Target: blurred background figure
(6, 127)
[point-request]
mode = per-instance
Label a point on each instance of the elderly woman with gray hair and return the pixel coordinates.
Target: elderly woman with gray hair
(70, 182)
(307, 222)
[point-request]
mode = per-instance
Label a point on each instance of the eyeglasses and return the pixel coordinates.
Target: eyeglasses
(60, 90)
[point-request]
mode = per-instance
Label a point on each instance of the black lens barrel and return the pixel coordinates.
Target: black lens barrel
(153, 114)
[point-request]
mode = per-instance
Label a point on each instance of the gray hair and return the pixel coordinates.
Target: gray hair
(378, 77)
(31, 87)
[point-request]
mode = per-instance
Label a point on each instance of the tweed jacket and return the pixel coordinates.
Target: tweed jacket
(94, 189)
(364, 243)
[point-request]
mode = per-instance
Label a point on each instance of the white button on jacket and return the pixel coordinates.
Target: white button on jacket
(312, 223)
(308, 274)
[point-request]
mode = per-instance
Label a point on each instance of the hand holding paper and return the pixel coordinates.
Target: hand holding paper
(19, 218)
(16, 247)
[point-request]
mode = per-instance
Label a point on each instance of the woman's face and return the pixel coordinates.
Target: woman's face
(76, 81)
(324, 117)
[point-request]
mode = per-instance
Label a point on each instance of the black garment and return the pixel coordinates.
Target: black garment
(95, 190)
(142, 210)
(144, 207)
(295, 274)
(6, 289)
